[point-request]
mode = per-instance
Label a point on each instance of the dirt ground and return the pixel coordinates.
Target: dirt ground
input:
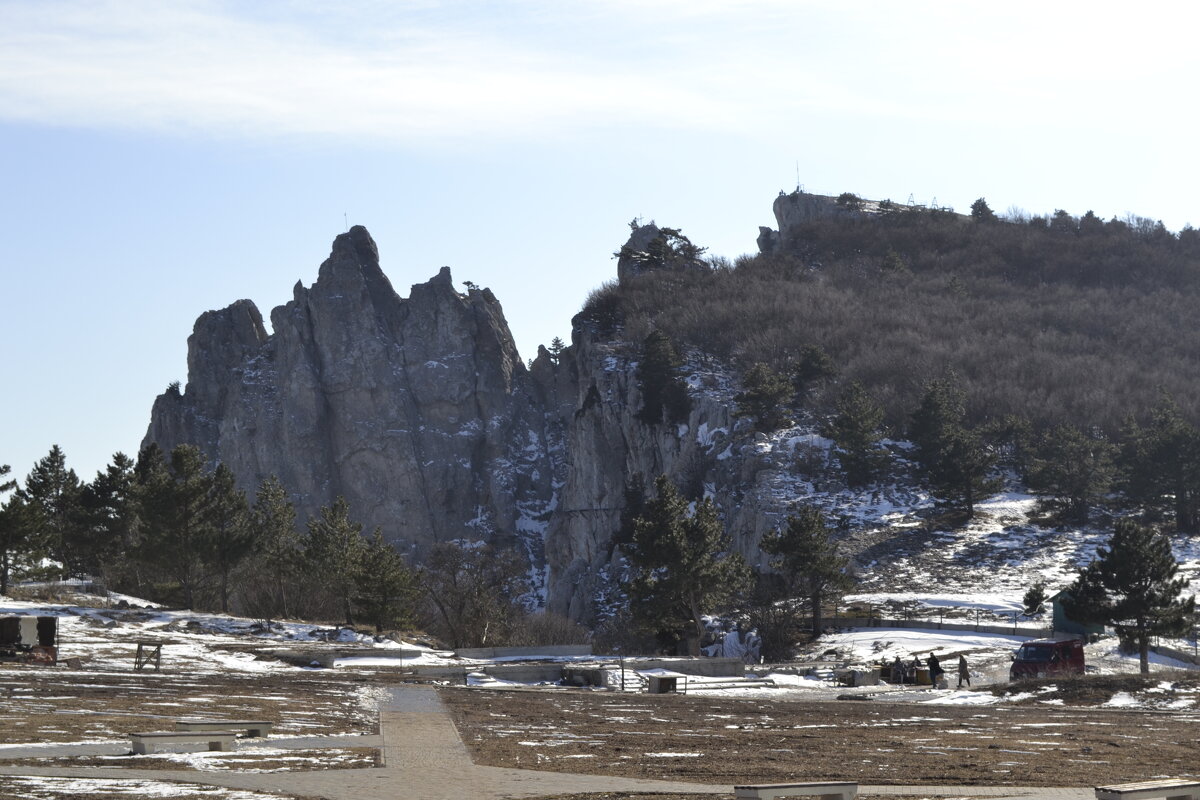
(53, 705)
(686, 737)
(766, 741)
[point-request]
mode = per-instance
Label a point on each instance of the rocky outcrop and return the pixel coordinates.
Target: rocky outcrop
(652, 248)
(418, 411)
(796, 209)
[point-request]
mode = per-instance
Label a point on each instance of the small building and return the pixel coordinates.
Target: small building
(1062, 624)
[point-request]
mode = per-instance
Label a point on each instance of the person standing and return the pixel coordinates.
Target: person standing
(898, 676)
(935, 669)
(964, 674)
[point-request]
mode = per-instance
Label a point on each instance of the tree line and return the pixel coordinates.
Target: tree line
(1059, 320)
(681, 568)
(173, 529)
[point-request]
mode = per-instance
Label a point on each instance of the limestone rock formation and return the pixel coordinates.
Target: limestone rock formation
(796, 209)
(653, 248)
(418, 411)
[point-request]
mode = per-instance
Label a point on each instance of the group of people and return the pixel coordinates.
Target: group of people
(907, 673)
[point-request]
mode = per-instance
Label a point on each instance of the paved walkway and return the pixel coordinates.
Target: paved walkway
(424, 759)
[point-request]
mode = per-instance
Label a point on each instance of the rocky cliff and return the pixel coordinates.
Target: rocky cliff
(420, 412)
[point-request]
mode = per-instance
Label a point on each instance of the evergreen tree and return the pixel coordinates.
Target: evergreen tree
(229, 541)
(681, 565)
(109, 519)
(277, 542)
(19, 541)
(387, 589)
(474, 592)
(764, 396)
(981, 212)
(807, 558)
(333, 553)
(174, 507)
(953, 460)
(813, 366)
(1132, 585)
(1070, 470)
(664, 394)
(556, 348)
(54, 489)
(856, 433)
(1034, 600)
(849, 201)
(635, 502)
(1160, 467)
(6, 485)
(670, 249)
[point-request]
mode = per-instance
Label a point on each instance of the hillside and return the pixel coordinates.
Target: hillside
(419, 411)
(1056, 320)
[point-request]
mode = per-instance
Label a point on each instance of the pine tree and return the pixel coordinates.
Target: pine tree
(1070, 471)
(277, 542)
(807, 558)
(981, 212)
(229, 540)
(174, 507)
(856, 433)
(813, 366)
(109, 519)
(1132, 585)
(952, 458)
(664, 394)
(556, 348)
(19, 541)
(764, 398)
(682, 565)
(1034, 600)
(1160, 467)
(54, 489)
(9, 485)
(333, 551)
(387, 589)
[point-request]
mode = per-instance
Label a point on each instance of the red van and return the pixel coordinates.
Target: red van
(1044, 658)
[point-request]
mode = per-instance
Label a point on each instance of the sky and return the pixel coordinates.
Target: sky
(160, 158)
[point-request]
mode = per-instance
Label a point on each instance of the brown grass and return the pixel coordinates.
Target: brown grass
(769, 741)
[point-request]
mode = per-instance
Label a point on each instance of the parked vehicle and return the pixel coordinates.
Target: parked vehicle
(1043, 658)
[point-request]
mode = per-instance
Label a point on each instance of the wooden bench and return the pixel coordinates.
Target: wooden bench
(255, 728)
(770, 791)
(1166, 789)
(148, 742)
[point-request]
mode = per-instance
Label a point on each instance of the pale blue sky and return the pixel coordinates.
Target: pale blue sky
(159, 159)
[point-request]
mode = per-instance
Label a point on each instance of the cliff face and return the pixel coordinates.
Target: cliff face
(421, 414)
(418, 411)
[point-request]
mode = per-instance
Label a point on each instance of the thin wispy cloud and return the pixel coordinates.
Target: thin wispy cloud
(194, 66)
(436, 72)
